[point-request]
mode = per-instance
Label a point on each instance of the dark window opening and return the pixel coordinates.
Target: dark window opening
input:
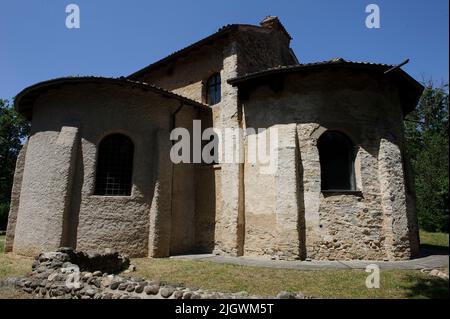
(114, 166)
(336, 162)
(213, 93)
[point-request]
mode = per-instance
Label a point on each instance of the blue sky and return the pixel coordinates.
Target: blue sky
(119, 37)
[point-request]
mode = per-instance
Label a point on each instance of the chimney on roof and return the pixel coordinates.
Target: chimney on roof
(272, 22)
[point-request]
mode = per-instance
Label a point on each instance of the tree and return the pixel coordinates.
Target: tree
(427, 144)
(13, 131)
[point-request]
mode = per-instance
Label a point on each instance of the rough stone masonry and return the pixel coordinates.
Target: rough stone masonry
(96, 171)
(68, 274)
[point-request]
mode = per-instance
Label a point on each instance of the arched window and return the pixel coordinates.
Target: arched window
(336, 161)
(213, 93)
(114, 166)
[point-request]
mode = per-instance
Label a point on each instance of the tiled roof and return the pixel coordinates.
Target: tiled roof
(219, 33)
(287, 68)
(409, 89)
(25, 99)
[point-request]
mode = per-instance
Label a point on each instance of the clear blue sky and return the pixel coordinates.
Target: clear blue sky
(119, 37)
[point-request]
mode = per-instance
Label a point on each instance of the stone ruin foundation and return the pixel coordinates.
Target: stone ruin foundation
(99, 276)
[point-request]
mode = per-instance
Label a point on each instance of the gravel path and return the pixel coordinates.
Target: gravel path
(428, 262)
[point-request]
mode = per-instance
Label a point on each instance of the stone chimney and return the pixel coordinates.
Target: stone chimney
(272, 22)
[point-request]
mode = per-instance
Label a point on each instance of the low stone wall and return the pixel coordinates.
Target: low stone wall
(108, 262)
(57, 275)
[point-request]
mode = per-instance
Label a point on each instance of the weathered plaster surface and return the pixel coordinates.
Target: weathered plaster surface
(371, 224)
(94, 222)
(46, 190)
(15, 197)
(229, 208)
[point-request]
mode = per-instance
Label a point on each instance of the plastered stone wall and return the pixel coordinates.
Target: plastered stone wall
(230, 208)
(250, 49)
(187, 75)
(160, 227)
(370, 224)
(15, 197)
(46, 190)
(274, 212)
(57, 208)
(261, 48)
(183, 198)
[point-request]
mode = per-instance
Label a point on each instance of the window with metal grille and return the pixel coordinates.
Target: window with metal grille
(114, 166)
(213, 93)
(336, 162)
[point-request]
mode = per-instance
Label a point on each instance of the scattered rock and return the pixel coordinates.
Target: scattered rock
(286, 295)
(187, 295)
(166, 291)
(151, 290)
(123, 286)
(130, 288)
(438, 273)
(87, 276)
(106, 281)
(140, 288)
(115, 285)
(90, 292)
(54, 275)
(177, 294)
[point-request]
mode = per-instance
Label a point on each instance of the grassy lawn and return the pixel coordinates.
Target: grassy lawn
(12, 265)
(263, 281)
(269, 282)
(436, 240)
(2, 244)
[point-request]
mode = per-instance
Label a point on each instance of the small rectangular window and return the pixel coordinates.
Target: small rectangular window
(114, 166)
(213, 89)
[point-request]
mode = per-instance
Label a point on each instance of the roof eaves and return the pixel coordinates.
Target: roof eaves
(297, 67)
(34, 89)
(410, 92)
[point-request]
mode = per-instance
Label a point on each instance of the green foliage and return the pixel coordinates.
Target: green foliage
(4, 210)
(434, 240)
(13, 130)
(427, 146)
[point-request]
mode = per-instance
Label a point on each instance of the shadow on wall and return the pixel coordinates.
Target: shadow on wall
(70, 223)
(70, 236)
(335, 107)
(301, 204)
(205, 219)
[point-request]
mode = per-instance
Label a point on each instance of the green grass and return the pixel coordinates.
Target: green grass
(266, 281)
(436, 240)
(12, 265)
(269, 282)
(2, 244)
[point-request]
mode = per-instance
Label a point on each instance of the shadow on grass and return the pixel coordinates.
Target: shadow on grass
(428, 250)
(428, 287)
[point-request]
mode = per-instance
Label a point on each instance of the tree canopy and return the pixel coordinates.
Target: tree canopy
(13, 131)
(426, 132)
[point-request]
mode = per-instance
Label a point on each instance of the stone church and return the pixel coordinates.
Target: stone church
(96, 171)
